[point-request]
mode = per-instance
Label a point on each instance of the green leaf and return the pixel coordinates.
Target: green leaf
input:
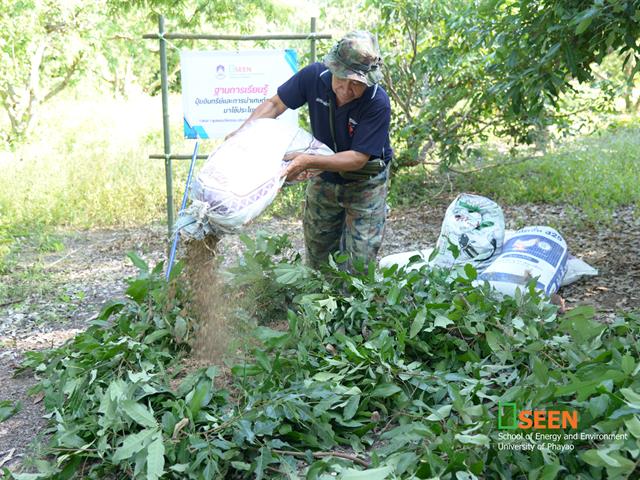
(176, 270)
(471, 272)
(493, 341)
(8, 409)
(370, 474)
(584, 19)
(181, 467)
(633, 425)
(385, 390)
(242, 466)
(200, 396)
(478, 439)
(608, 459)
(272, 338)
(460, 475)
(316, 468)
(579, 323)
(246, 370)
(155, 458)
(325, 376)
(112, 307)
(583, 25)
(353, 349)
(263, 360)
(628, 364)
(261, 462)
(156, 335)
(540, 371)
(440, 414)
(138, 262)
(133, 444)
(138, 290)
(550, 471)
(139, 413)
(632, 398)
(351, 407)
(442, 321)
(180, 328)
(418, 322)
(288, 274)
(392, 298)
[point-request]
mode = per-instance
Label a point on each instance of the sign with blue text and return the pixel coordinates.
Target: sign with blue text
(220, 89)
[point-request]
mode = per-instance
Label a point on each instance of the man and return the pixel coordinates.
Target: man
(345, 206)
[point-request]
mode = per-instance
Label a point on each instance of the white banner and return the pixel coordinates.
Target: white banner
(221, 89)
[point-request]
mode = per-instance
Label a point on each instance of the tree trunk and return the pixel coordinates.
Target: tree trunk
(22, 107)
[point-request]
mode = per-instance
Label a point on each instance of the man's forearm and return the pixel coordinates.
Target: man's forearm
(270, 108)
(347, 161)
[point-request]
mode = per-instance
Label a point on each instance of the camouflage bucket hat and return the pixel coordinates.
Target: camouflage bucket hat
(356, 57)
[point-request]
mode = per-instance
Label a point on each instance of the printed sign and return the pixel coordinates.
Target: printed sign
(221, 89)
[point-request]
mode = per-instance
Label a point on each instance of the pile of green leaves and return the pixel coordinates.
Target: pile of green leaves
(396, 372)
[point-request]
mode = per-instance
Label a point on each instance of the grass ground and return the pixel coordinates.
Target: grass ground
(87, 166)
(594, 174)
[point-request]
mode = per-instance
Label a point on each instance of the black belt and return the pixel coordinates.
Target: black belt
(372, 168)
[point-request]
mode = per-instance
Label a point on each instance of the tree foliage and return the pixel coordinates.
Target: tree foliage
(201, 16)
(462, 70)
(44, 48)
(458, 72)
(49, 45)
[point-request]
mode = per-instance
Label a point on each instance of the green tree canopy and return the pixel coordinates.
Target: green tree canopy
(43, 49)
(462, 70)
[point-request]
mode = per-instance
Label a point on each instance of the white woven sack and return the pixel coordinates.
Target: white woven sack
(576, 267)
(475, 225)
(242, 177)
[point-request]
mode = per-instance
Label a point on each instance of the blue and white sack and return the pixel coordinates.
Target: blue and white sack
(538, 253)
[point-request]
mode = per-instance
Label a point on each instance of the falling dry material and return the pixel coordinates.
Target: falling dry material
(211, 338)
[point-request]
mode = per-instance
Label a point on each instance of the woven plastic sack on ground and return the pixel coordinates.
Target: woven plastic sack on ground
(243, 176)
(416, 259)
(475, 226)
(536, 252)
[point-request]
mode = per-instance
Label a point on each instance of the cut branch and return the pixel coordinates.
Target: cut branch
(346, 456)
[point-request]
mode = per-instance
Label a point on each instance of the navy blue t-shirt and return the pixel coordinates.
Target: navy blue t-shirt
(361, 125)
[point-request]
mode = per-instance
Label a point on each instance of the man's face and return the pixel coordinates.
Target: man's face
(347, 90)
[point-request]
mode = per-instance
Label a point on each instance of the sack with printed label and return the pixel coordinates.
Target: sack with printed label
(242, 177)
(416, 259)
(532, 254)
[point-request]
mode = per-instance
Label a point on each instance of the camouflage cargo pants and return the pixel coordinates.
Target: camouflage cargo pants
(347, 218)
